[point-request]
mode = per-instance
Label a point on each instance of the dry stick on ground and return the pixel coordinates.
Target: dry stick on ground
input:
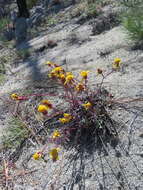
(6, 171)
(38, 139)
(104, 146)
(126, 153)
(26, 126)
(130, 129)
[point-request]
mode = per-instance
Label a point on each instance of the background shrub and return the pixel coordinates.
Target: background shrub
(31, 3)
(132, 18)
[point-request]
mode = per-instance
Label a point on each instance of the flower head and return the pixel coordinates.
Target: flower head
(62, 77)
(79, 87)
(49, 63)
(67, 117)
(52, 75)
(37, 155)
(117, 60)
(58, 70)
(47, 103)
(99, 71)
(64, 120)
(116, 64)
(87, 105)
(69, 79)
(43, 109)
(56, 134)
(84, 74)
(14, 96)
(54, 154)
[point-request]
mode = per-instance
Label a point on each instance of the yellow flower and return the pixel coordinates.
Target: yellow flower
(14, 96)
(43, 109)
(56, 134)
(99, 71)
(52, 74)
(87, 106)
(64, 120)
(58, 70)
(49, 63)
(62, 77)
(67, 116)
(47, 103)
(54, 154)
(69, 78)
(84, 74)
(79, 87)
(116, 64)
(117, 60)
(37, 155)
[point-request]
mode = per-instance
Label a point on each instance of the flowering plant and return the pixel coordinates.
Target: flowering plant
(86, 115)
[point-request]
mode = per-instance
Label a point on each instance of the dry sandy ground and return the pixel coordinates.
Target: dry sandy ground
(86, 55)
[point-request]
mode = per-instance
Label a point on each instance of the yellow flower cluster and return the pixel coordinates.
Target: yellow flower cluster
(54, 155)
(67, 118)
(44, 106)
(56, 72)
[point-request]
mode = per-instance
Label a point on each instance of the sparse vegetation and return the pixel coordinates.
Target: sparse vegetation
(23, 54)
(85, 116)
(4, 23)
(2, 78)
(14, 134)
(132, 19)
(31, 3)
(93, 8)
(51, 20)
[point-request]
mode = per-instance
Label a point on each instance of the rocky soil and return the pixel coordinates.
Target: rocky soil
(78, 49)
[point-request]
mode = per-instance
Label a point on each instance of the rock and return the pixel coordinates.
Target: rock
(20, 29)
(104, 22)
(137, 45)
(52, 44)
(81, 20)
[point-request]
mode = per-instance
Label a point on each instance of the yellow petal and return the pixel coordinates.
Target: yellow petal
(42, 108)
